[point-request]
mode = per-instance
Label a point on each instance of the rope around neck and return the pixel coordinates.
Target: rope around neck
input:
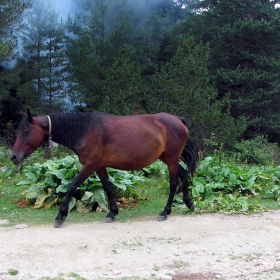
(48, 143)
(50, 125)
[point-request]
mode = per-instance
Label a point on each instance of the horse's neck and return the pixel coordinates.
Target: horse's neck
(64, 135)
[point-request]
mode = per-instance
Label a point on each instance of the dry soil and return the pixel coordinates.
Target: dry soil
(193, 247)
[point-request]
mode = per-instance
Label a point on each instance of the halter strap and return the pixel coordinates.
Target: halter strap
(48, 144)
(50, 125)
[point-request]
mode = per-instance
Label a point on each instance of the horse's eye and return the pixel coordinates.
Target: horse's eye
(25, 132)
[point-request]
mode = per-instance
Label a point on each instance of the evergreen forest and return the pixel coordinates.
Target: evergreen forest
(214, 62)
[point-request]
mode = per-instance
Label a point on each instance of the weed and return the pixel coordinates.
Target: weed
(156, 268)
(126, 278)
(177, 264)
(76, 276)
(12, 272)
(53, 278)
(61, 276)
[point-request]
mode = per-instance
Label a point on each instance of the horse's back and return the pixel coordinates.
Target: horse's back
(152, 124)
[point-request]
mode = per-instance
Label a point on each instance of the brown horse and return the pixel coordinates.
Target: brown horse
(123, 142)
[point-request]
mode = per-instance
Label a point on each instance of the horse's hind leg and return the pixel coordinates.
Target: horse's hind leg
(184, 177)
(173, 174)
(102, 174)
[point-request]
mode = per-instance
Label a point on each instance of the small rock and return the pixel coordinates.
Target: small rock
(163, 277)
(84, 247)
(20, 226)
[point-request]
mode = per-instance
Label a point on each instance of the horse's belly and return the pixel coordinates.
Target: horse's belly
(132, 159)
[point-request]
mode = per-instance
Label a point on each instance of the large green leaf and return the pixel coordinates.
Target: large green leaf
(88, 197)
(23, 182)
(99, 196)
(49, 182)
(195, 192)
(32, 192)
(72, 203)
(61, 174)
(61, 188)
(68, 160)
(30, 175)
(232, 180)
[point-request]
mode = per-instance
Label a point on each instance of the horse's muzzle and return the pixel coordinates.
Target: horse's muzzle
(16, 159)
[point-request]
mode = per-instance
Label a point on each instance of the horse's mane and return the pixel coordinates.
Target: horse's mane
(68, 128)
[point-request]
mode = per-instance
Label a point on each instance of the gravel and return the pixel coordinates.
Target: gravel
(191, 247)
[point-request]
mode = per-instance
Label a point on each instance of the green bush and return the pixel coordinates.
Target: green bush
(7, 168)
(229, 186)
(257, 151)
(158, 168)
(47, 184)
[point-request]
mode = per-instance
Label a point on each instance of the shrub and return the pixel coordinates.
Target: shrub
(47, 184)
(256, 151)
(229, 186)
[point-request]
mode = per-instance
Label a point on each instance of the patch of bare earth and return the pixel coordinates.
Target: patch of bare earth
(193, 247)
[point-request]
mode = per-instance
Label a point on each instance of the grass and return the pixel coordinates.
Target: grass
(11, 196)
(125, 278)
(72, 276)
(152, 188)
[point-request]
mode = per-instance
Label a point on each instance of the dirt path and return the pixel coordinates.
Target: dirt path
(209, 246)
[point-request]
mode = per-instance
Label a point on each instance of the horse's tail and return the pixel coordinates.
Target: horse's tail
(190, 154)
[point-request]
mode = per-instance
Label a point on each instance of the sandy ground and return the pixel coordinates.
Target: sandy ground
(195, 247)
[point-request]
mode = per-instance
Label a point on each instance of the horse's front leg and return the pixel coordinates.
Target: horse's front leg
(102, 174)
(64, 208)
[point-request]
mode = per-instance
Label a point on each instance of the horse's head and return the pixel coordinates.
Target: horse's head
(32, 132)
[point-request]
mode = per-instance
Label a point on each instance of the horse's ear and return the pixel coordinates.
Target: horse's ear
(29, 116)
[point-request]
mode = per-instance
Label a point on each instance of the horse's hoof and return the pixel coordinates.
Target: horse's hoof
(58, 223)
(192, 206)
(161, 218)
(109, 220)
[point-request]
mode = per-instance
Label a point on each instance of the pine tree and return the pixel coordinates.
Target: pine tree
(43, 52)
(17, 94)
(100, 37)
(183, 87)
(244, 37)
(55, 66)
(11, 14)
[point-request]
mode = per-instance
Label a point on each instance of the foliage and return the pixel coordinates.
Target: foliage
(216, 63)
(15, 92)
(11, 14)
(257, 151)
(221, 186)
(42, 40)
(103, 67)
(47, 184)
(183, 88)
(244, 40)
(7, 168)
(217, 186)
(158, 168)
